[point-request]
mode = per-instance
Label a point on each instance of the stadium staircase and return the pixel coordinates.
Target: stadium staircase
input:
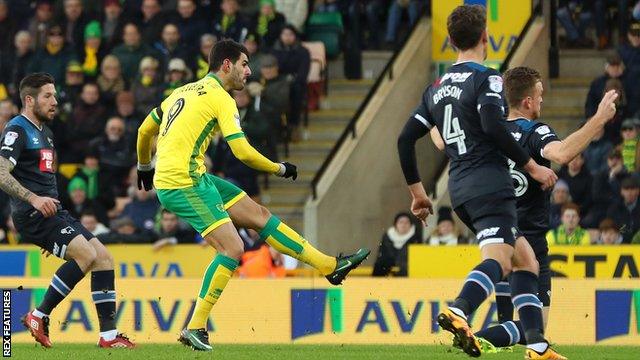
(563, 106)
(286, 198)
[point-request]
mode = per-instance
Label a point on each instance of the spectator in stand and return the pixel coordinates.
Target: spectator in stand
(171, 233)
(609, 233)
(124, 231)
(207, 41)
(147, 87)
(612, 128)
(8, 26)
(78, 201)
(131, 51)
(579, 180)
(394, 246)
(115, 152)
(630, 145)
(255, 126)
(255, 57)
(371, 11)
(576, 37)
(142, 209)
(226, 165)
(606, 189)
(569, 232)
(113, 23)
(93, 51)
(190, 23)
(89, 220)
(294, 11)
(69, 94)
(99, 187)
(86, 123)
(595, 155)
(153, 20)
(446, 232)
(170, 47)
(178, 74)
(263, 262)
(110, 80)
(294, 61)
(54, 57)
(613, 69)
(73, 22)
(626, 211)
(601, 11)
(630, 54)
(560, 196)
(267, 24)
(414, 8)
(17, 62)
(126, 110)
(636, 239)
(40, 22)
(230, 24)
(271, 96)
(7, 111)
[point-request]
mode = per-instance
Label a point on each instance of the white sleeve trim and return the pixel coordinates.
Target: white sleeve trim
(13, 161)
(423, 121)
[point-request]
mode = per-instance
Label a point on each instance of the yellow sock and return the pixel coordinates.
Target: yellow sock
(215, 279)
(284, 239)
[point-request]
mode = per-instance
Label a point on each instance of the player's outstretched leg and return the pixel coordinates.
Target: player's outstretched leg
(247, 213)
(80, 256)
(507, 333)
(227, 242)
(103, 292)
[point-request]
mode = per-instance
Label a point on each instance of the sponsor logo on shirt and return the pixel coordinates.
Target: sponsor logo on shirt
(46, 160)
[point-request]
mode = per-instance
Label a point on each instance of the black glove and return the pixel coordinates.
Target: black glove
(145, 179)
(290, 171)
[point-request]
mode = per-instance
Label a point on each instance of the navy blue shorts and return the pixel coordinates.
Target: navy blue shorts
(492, 217)
(53, 233)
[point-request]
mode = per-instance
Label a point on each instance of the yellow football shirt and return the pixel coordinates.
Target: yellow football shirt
(188, 120)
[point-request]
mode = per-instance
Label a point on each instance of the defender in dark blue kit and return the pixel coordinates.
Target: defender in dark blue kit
(524, 94)
(466, 107)
(27, 174)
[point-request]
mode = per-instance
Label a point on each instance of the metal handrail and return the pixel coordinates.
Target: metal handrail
(351, 127)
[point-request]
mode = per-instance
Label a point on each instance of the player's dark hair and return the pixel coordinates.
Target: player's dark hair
(570, 206)
(519, 83)
(31, 84)
(465, 25)
(225, 49)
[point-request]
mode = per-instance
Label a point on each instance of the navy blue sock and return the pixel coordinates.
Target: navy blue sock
(478, 286)
(503, 302)
(505, 334)
(64, 280)
(104, 297)
(524, 289)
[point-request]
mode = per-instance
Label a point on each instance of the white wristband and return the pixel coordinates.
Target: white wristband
(282, 169)
(145, 167)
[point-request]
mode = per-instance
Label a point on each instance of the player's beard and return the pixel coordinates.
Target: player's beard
(42, 116)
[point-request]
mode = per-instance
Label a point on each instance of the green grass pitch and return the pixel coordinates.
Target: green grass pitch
(321, 352)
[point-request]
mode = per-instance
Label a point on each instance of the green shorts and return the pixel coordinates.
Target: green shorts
(205, 205)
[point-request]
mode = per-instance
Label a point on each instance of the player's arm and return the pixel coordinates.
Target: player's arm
(146, 133)
(228, 120)
(416, 127)
(12, 145)
(563, 151)
(437, 138)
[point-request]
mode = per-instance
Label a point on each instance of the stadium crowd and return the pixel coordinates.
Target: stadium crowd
(114, 60)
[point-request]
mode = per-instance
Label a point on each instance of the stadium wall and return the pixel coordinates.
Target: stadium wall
(363, 187)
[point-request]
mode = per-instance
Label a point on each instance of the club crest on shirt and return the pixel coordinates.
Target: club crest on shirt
(10, 138)
(495, 83)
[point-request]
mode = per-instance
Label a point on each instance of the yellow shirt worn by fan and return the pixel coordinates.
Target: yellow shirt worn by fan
(185, 123)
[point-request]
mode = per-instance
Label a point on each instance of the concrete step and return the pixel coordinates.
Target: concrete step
(373, 62)
(581, 63)
(282, 210)
(573, 81)
(305, 162)
(563, 111)
(350, 85)
(342, 102)
(565, 96)
(311, 146)
(288, 195)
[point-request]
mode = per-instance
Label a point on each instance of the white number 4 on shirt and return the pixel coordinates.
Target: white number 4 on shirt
(453, 134)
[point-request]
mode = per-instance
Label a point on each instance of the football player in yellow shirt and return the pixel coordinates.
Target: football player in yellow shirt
(184, 123)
